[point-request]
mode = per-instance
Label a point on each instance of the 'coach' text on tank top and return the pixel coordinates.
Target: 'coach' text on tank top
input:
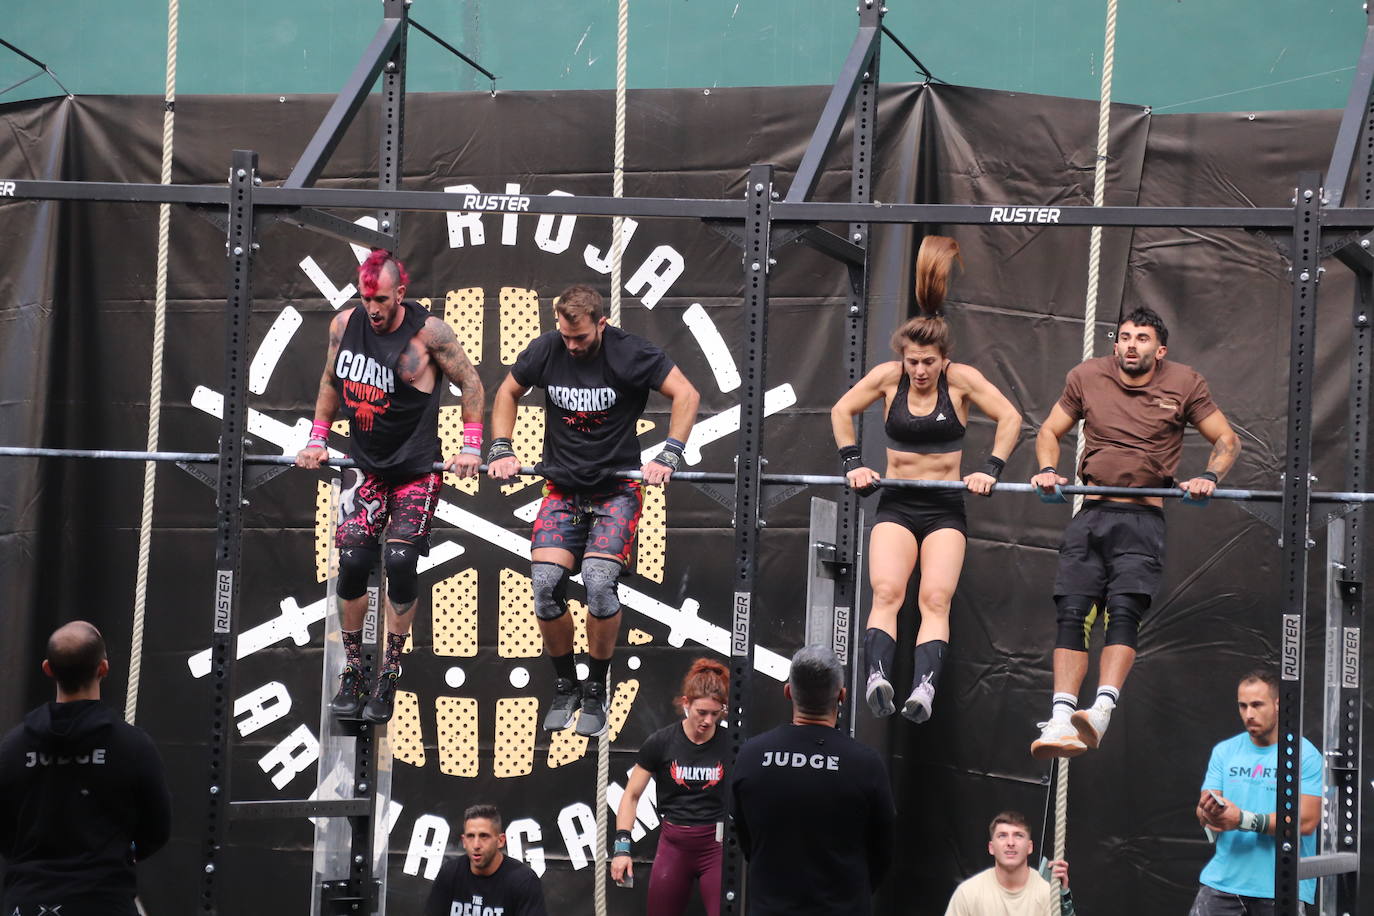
(393, 426)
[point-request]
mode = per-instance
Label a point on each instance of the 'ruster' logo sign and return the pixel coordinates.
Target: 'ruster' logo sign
(1292, 632)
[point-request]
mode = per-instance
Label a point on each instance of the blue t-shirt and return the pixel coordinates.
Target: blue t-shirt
(1244, 774)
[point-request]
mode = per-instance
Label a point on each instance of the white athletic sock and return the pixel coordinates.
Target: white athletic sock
(1107, 697)
(1063, 708)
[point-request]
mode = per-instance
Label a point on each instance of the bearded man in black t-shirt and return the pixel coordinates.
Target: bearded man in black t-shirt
(486, 881)
(596, 380)
(386, 366)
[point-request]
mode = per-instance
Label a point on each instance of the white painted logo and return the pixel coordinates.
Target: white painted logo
(6, 189)
(1024, 215)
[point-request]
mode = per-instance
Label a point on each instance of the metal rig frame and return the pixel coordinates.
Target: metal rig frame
(768, 221)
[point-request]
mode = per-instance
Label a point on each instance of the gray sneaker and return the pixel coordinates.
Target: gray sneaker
(592, 723)
(567, 695)
(879, 694)
(918, 705)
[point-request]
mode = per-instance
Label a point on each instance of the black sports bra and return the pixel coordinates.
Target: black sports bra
(937, 432)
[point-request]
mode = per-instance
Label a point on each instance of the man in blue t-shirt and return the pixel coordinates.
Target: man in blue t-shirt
(1237, 807)
(596, 380)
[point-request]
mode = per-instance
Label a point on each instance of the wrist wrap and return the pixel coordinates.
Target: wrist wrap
(671, 456)
(499, 448)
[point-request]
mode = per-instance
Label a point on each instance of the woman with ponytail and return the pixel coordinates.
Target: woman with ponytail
(926, 400)
(686, 760)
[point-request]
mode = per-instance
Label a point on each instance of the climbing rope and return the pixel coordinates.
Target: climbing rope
(164, 221)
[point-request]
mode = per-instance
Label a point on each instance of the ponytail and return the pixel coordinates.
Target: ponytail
(929, 329)
(932, 271)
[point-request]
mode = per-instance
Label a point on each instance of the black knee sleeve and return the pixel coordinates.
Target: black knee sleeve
(550, 590)
(1123, 618)
(599, 577)
(402, 584)
(355, 565)
(1075, 617)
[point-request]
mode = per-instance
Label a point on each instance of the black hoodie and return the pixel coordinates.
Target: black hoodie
(82, 796)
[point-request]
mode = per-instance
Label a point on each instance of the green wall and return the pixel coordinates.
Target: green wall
(1174, 55)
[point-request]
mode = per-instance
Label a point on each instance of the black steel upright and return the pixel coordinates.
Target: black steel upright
(1297, 494)
(1351, 803)
(229, 516)
(848, 526)
(757, 226)
(393, 116)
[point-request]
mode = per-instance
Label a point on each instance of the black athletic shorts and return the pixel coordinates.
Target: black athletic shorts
(1110, 549)
(923, 511)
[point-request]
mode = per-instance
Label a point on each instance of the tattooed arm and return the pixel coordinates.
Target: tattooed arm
(453, 363)
(1225, 449)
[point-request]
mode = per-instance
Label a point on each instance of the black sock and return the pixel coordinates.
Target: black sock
(564, 666)
(878, 651)
(395, 644)
(930, 658)
(598, 669)
(353, 647)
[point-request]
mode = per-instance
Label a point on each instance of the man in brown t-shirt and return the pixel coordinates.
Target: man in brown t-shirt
(1134, 407)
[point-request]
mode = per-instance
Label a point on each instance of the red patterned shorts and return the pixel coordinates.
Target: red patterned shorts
(367, 503)
(600, 521)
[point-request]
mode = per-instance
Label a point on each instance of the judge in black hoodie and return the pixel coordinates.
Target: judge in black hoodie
(83, 796)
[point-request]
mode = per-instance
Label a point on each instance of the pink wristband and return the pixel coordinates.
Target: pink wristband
(472, 435)
(319, 432)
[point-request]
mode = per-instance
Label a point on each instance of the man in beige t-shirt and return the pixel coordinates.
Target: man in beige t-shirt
(1010, 887)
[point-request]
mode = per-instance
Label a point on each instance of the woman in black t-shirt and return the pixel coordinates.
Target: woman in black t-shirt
(687, 763)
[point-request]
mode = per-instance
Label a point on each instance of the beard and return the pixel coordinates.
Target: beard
(1143, 365)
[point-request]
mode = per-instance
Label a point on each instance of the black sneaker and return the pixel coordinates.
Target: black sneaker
(378, 708)
(592, 722)
(348, 702)
(567, 695)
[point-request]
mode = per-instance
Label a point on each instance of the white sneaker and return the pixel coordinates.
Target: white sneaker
(1057, 739)
(1091, 724)
(879, 694)
(918, 705)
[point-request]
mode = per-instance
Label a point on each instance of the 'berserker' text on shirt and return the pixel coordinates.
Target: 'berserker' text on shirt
(584, 399)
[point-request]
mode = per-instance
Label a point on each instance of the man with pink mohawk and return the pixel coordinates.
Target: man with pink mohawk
(384, 370)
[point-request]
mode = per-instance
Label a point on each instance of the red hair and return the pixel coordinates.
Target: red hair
(370, 271)
(706, 680)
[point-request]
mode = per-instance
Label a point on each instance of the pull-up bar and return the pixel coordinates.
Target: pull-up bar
(814, 480)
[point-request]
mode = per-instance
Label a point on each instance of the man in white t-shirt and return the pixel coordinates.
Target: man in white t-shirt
(1010, 887)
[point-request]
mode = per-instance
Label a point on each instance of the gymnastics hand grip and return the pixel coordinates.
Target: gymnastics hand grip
(1188, 499)
(1057, 496)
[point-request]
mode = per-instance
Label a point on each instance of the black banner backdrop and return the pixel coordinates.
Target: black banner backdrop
(76, 283)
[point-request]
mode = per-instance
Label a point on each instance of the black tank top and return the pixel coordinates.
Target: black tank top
(394, 426)
(935, 433)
